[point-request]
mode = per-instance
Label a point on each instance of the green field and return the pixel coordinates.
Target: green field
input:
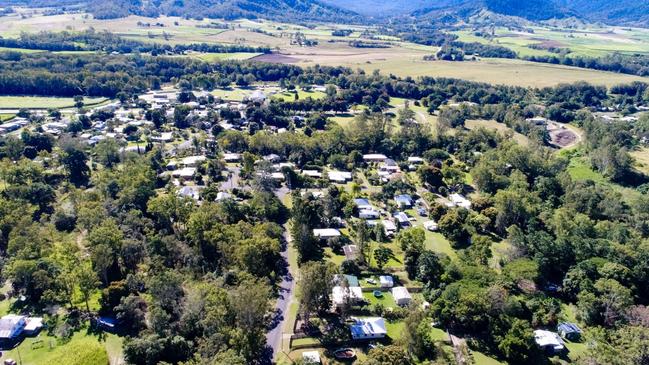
(42, 102)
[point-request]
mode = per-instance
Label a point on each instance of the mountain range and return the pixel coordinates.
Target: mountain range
(618, 12)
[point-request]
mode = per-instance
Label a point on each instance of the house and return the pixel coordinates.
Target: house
(351, 252)
(326, 233)
(33, 325)
(389, 227)
(311, 357)
(401, 295)
(458, 200)
(386, 281)
(540, 121)
(315, 174)
(231, 157)
(368, 214)
(186, 173)
(403, 219)
(257, 96)
(374, 157)
(189, 192)
(163, 137)
(413, 160)
(349, 295)
(362, 204)
(431, 225)
(12, 326)
(222, 195)
(404, 201)
(569, 331)
(193, 161)
(339, 177)
(548, 341)
(368, 328)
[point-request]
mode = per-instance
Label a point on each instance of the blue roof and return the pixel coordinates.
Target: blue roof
(401, 217)
(108, 321)
(360, 201)
(567, 327)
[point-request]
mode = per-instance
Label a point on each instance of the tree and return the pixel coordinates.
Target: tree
(451, 225)
(518, 344)
(382, 255)
(75, 161)
(131, 313)
(388, 355)
(88, 282)
(429, 268)
(626, 345)
(417, 337)
(314, 287)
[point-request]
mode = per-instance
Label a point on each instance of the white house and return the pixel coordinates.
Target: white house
(549, 341)
(341, 295)
(193, 161)
(163, 137)
(386, 281)
(339, 177)
(368, 328)
(186, 173)
(389, 227)
(401, 295)
(326, 233)
(33, 325)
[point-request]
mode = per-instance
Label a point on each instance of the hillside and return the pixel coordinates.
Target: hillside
(283, 10)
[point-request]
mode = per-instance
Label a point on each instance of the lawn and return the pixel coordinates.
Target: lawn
(302, 94)
(42, 102)
(387, 300)
(81, 349)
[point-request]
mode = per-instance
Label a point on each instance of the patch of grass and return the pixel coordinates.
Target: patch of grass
(387, 300)
(6, 117)
(641, 157)
(395, 329)
(482, 359)
(81, 349)
(42, 102)
(289, 96)
(501, 128)
(20, 50)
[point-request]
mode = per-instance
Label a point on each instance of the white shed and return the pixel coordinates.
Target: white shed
(386, 281)
(401, 295)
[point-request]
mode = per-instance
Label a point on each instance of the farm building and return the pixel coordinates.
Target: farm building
(569, 331)
(386, 281)
(368, 328)
(326, 233)
(401, 295)
(548, 341)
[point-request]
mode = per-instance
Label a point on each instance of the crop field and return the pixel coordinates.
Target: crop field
(593, 42)
(42, 102)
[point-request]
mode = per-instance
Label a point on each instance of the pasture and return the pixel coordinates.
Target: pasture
(43, 102)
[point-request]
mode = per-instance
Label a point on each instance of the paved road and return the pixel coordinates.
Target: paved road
(286, 293)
